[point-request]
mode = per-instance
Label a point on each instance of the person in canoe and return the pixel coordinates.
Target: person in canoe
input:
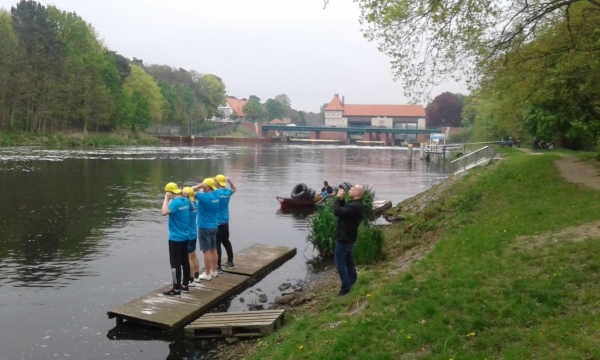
(327, 190)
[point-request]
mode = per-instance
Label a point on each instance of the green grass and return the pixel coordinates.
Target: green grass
(241, 132)
(75, 140)
(499, 283)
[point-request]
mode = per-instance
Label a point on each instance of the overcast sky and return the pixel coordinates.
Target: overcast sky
(261, 47)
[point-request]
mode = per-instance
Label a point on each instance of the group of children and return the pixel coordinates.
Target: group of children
(198, 212)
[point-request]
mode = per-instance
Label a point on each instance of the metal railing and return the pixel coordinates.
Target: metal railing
(473, 158)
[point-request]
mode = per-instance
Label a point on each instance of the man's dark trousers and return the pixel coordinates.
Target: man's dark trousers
(345, 264)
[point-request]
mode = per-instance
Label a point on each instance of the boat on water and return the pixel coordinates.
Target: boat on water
(289, 202)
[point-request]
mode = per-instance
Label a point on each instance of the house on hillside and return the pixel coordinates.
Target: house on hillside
(231, 105)
(340, 114)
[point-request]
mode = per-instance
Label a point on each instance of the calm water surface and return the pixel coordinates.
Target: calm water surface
(81, 233)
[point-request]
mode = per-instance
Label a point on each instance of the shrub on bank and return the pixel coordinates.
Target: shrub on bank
(369, 244)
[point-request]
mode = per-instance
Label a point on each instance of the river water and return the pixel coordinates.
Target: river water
(81, 233)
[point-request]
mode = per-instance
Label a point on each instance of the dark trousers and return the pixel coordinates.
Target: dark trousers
(178, 257)
(345, 264)
(223, 238)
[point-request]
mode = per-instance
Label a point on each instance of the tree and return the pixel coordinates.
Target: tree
(444, 110)
(254, 110)
(8, 54)
(211, 92)
(454, 38)
(140, 81)
(39, 63)
(275, 109)
(549, 87)
(141, 117)
(254, 97)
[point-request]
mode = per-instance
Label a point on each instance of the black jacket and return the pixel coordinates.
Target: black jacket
(349, 218)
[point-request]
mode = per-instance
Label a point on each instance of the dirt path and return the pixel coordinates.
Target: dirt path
(576, 171)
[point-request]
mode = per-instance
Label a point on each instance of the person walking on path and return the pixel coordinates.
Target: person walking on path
(223, 220)
(208, 203)
(193, 235)
(349, 217)
(178, 209)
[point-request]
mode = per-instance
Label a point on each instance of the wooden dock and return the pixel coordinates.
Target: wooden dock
(238, 324)
(168, 312)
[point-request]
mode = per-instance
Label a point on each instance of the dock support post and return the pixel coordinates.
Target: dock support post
(422, 150)
(410, 152)
(119, 321)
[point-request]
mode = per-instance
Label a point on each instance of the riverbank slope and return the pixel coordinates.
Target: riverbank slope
(502, 264)
(75, 139)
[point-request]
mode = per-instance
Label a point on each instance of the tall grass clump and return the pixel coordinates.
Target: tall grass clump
(369, 244)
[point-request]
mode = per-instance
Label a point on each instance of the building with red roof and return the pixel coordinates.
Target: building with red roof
(232, 105)
(340, 114)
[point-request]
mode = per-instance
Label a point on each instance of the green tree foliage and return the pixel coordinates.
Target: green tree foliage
(275, 109)
(453, 38)
(38, 62)
(140, 81)
(141, 115)
(190, 97)
(444, 110)
(8, 57)
(549, 87)
(211, 92)
(254, 110)
(56, 74)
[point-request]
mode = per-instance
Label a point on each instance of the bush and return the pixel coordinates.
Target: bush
(369, 245)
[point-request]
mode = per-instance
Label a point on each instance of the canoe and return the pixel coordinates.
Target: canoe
(288, 202)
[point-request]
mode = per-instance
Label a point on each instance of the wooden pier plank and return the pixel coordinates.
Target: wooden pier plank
(156, 309)
(259, 258)
(171, 312)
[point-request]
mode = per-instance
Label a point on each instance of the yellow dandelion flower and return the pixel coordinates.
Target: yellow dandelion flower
(408, 337)
(554, 274)
(471, 334)
(301, 347)
(504, 230)
(368, 295)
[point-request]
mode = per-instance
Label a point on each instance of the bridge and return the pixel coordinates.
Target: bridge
(368, 132)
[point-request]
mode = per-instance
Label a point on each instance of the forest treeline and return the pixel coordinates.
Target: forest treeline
(56, 74)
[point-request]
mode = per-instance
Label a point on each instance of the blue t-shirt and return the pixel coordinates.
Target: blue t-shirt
(193, 230)
(224, 196)
(208, 204)
(179, 219)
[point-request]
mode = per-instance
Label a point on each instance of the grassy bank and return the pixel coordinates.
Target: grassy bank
(500, 281)
(241, 132)
(75, 140)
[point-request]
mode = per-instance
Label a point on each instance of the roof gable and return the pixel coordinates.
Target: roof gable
(335, 104)
(236, 105)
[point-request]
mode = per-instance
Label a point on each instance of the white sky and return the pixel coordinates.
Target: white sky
(261, 47)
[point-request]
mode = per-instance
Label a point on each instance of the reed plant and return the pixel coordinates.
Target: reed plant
(369, 245)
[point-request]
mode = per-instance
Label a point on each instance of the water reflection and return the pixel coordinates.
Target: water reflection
(81, 232)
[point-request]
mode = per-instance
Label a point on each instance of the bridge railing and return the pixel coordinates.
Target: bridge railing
(464, 162)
